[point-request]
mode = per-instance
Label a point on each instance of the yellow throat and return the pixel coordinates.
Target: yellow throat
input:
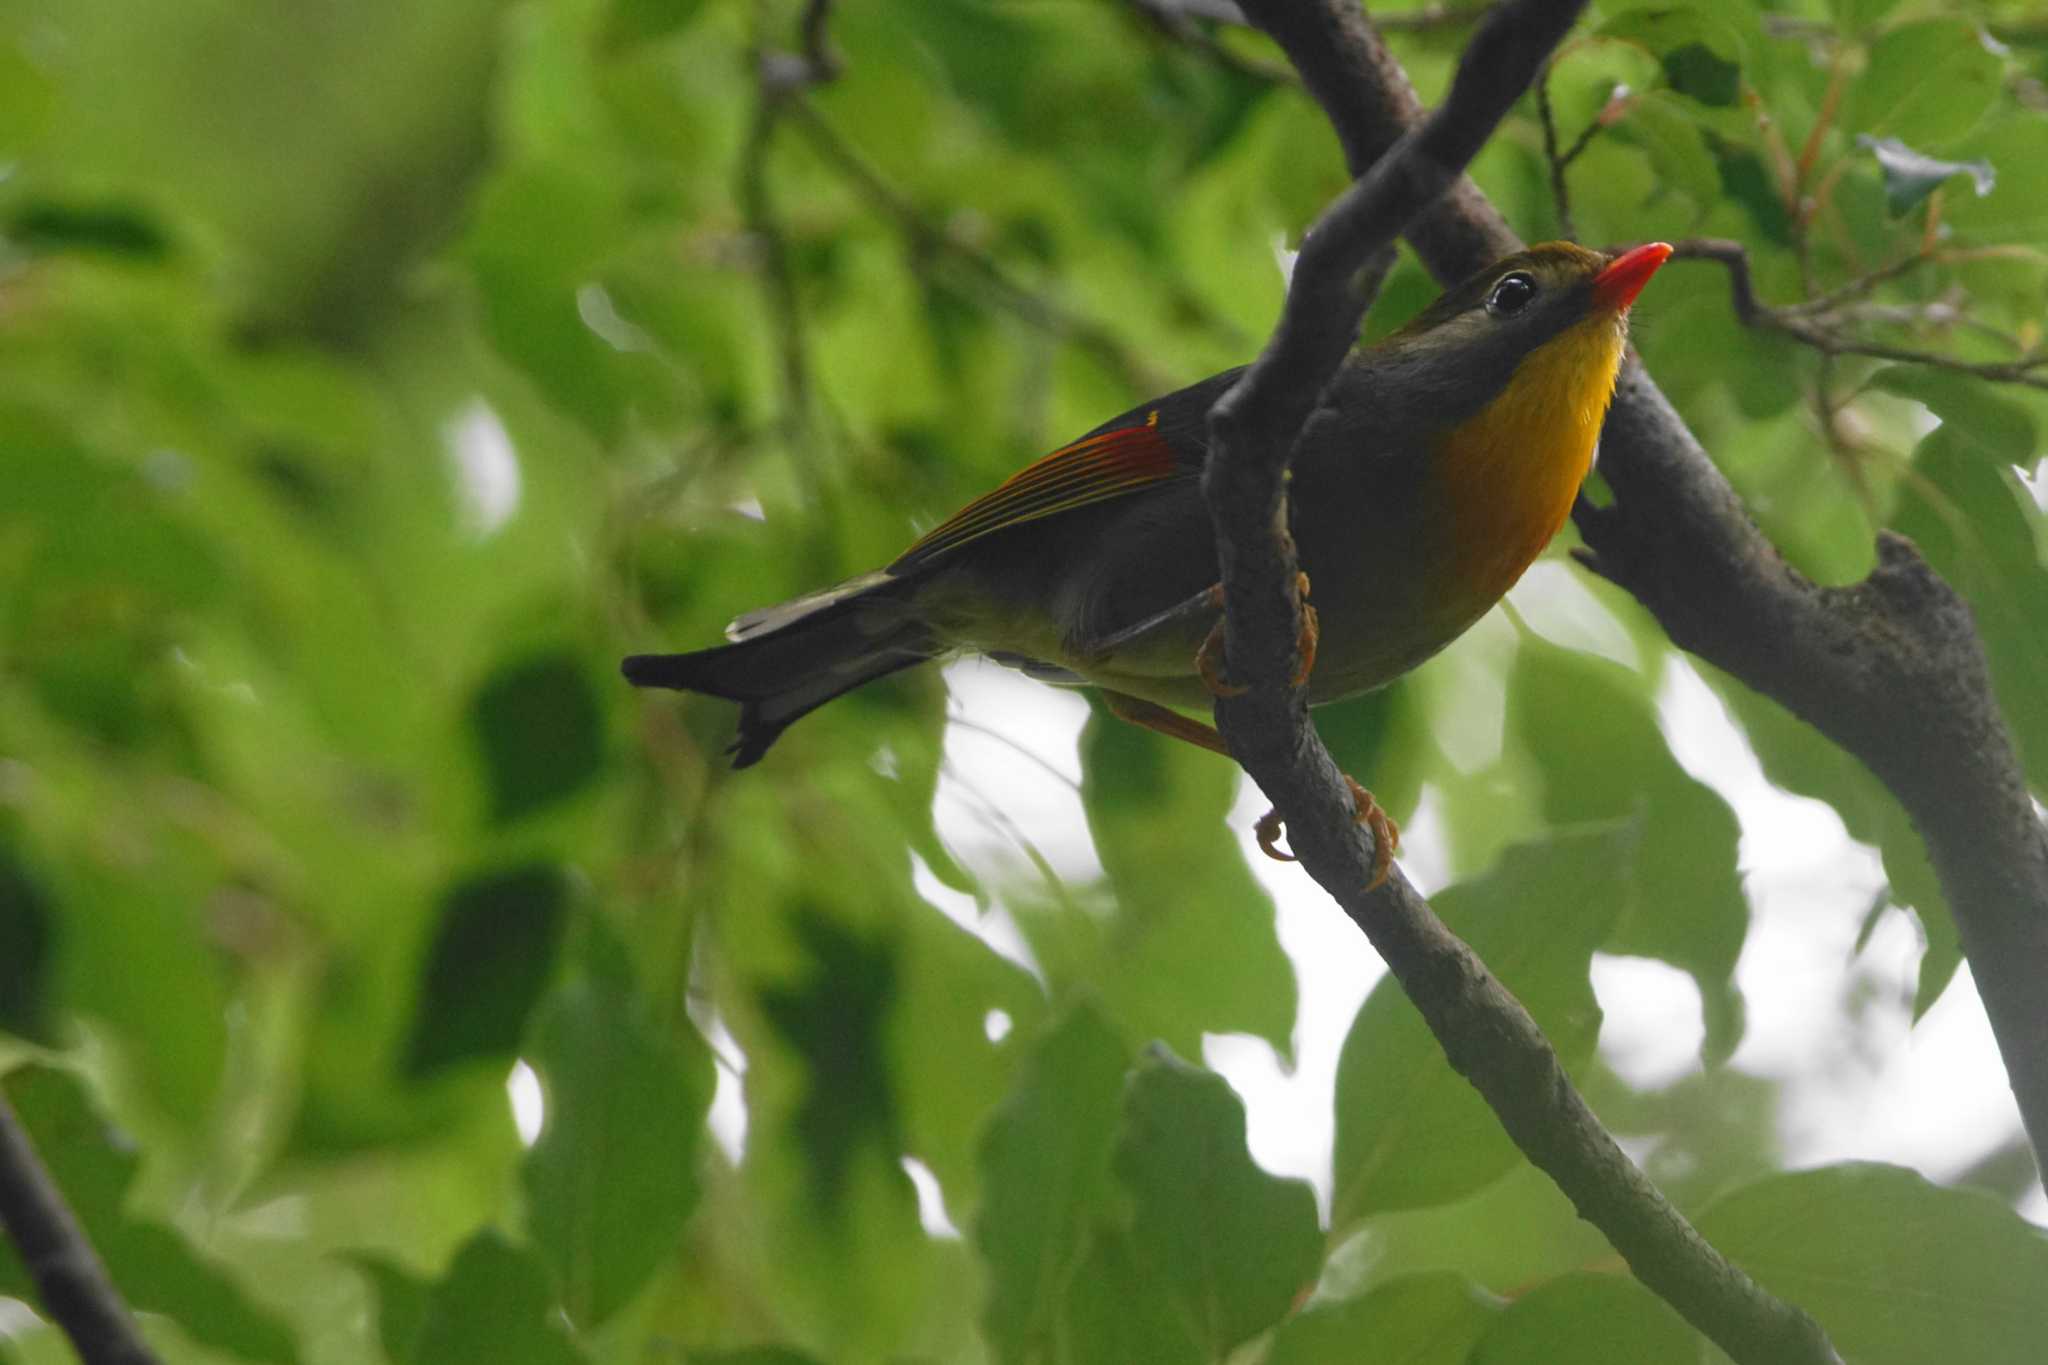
(1508, 475)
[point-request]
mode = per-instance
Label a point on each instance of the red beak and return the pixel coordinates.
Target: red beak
(1616, 287)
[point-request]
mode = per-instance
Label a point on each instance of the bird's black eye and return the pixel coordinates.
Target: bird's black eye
(1511, 295)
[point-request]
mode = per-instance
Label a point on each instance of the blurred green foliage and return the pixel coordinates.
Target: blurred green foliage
(373, 376)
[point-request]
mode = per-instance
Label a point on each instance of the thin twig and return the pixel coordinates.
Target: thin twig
(1802, 323)
(1485, 1032)
(778, 277)
(780, 78)
(1861, 287)
(818, 52)
(70, 1280)
(1559, 195)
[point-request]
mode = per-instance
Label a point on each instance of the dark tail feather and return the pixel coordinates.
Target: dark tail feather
(787, 661)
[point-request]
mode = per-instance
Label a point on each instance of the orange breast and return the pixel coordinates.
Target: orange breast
(1504, 482)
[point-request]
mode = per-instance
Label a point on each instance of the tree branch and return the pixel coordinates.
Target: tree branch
(1808, 323)
(1485, 1032)
(1891, 669)
(70, 1280)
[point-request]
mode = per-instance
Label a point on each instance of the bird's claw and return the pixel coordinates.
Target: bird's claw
(1311, 634)
(1268, 831)
(1386, 835)
(1209, 658)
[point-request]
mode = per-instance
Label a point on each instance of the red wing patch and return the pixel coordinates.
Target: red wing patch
(1095, 468)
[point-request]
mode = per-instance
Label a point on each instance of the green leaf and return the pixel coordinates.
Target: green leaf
(1427, 1319)
(1911, 176)
(1676, 145)
(951, 1075)
(1589, 1320)
(1115, 1313)
(93, 1166)
(493, 1305)
(1796, 757)
(1978, 528)
(537, 236)
(1746, 181)
(1686, 905)
(1896, 1269)
(1856, 14)
(1700, 53)
(836, 1019)
(1465, 1237)
(493, 951)
(1192, 948)
(1045, 1165)
(1410, 1130)
(1968, 407)
(111, 229)
(628, 23)
(27, 928)
(1925, 83)
(401, 1304)
(614, 1174)
(541, 733)
(2019, 204)
(1232, 1245)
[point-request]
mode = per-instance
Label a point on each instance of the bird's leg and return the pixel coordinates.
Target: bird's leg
(1153, 716)
(1209, 658)
(1207, 600)
(1311, 633)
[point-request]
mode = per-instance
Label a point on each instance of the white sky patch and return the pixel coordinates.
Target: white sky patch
(1011, 783)
(529, 1103)
(1290, 1120)
(485, 468)
(1861, 1081)
(992, 926)
(931, 1201)
(1652, 1027)
(1781, 831)
(1425, 855)
(1284, 256)
(594, 304)
(2035, 481)
(728, 1119)
(17, 1320)
(1471, 688)
(1554, 599)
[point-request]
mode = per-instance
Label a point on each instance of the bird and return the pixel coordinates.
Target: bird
(1438, 463)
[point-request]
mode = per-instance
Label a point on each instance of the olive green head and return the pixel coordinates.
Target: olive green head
(1462, 350)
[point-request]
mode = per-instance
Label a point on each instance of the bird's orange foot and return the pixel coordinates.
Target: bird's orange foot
(1209, 658)
(1386, 835)
(1311, 634)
